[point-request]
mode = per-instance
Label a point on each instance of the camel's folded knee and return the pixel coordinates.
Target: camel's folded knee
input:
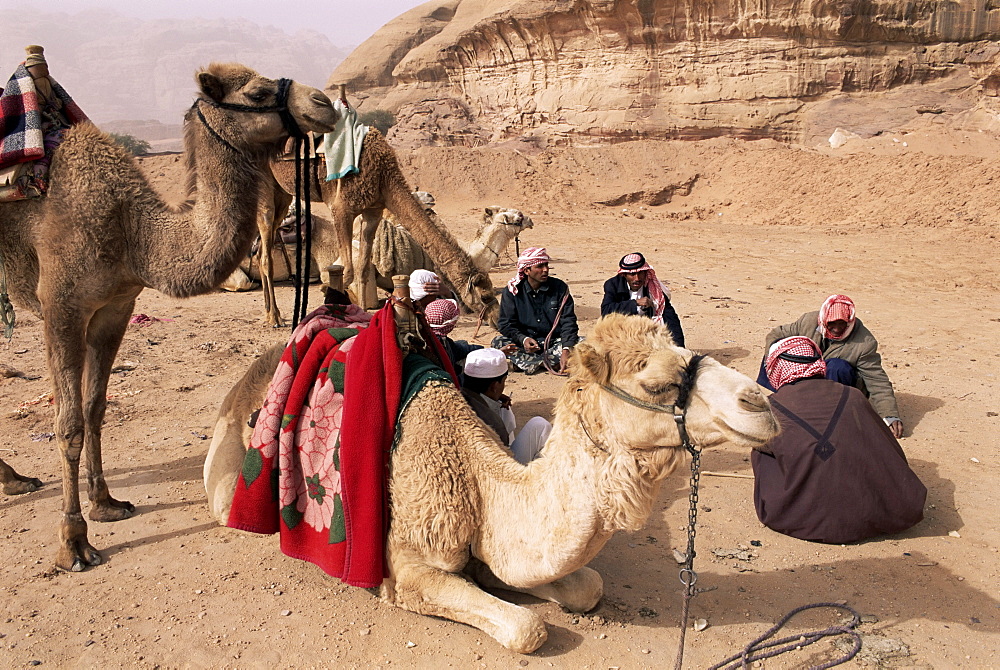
(579, 591)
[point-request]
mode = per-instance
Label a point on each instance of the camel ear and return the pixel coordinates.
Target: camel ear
(490, 211)
(592, 363)
(211, 86)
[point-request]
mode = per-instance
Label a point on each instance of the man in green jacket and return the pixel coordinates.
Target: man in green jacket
(850, 351)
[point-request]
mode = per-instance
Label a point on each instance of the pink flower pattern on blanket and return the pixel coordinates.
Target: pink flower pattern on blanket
(309, 478)
(271, 414)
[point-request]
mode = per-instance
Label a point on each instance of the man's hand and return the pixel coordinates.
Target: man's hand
(563, 360)
(897, 428)
(509, 349)
(504, 400)
(531, 345)
(643, 302)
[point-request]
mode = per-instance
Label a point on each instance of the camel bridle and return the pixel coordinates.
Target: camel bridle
(280, 106)
(678, 409)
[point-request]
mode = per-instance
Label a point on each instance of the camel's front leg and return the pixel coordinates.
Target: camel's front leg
(424, 589)
(579, 591)
(366, 289)
(65, 344)
(15, 484)
(104, 336)
(343, 229)
(267, 225)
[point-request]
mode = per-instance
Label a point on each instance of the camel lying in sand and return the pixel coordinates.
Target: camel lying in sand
(80, 256)
(466, 514)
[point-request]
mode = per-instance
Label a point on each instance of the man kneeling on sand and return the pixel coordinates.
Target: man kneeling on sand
(835, 473)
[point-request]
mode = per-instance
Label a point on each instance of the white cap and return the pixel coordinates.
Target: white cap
(485, 363)
(418, 283)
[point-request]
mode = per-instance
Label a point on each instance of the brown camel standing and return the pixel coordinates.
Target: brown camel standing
(378, 185)
(79, 256)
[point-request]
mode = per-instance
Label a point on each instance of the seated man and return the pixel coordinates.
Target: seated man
(485, 380)
(533, 307)
(835, 473)
(850, 351)
(637, 290)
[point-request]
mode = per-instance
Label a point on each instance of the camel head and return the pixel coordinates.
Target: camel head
(478, 296)
(514, 220)
(244, 108)
(626, 379)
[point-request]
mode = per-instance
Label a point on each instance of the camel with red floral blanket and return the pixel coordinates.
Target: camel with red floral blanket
(455, 489)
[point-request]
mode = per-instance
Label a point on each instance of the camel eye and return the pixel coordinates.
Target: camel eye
(258, 96)
(659, 390)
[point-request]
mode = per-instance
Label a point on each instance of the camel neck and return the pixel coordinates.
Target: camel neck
(198, 251)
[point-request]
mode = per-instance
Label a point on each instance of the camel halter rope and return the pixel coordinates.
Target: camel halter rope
(304, 173)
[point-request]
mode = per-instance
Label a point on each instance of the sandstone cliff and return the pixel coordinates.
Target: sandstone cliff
(468, 72)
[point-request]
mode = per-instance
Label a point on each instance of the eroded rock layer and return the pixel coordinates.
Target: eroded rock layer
(467, 72)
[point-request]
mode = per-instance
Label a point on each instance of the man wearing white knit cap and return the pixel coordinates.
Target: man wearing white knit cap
(485, 380)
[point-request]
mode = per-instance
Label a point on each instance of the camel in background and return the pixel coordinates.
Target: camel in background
(394, 251)
(466, 515)
(80, 256)
(378, 185)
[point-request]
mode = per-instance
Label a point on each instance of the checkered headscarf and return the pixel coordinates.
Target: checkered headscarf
(529, 258)
(655, 289)
(836, 308)
(793, 358)
(442, 315)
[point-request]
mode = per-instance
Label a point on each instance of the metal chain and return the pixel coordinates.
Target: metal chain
(687, 575)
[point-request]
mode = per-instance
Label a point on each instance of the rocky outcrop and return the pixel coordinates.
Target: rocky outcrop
(462, 72)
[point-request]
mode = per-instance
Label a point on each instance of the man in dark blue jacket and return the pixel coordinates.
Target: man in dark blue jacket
(636, 290)
(534, 308)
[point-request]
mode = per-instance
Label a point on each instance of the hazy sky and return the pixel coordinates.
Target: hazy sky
(345, 23)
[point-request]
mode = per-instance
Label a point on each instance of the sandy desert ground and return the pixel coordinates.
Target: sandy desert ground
(754, 235)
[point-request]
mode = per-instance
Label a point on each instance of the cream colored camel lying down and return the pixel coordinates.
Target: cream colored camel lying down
(463, 507)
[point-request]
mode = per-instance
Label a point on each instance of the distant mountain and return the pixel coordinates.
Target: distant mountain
(122, 69)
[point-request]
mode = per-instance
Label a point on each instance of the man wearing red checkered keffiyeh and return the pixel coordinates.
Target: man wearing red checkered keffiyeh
(792, 359)
(850, 351)
(529, 258)
(835, 473)
(637, 290)
(442, 316)
(537, 321)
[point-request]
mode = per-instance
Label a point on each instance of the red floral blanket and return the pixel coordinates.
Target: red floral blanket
(315, 470)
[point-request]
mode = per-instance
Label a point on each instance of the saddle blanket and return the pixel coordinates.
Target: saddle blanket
(30, 130)
(315, 469)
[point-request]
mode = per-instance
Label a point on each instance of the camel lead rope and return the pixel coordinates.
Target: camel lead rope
(687, 574)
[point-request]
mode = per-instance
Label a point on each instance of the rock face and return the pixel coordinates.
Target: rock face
(465, 72)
